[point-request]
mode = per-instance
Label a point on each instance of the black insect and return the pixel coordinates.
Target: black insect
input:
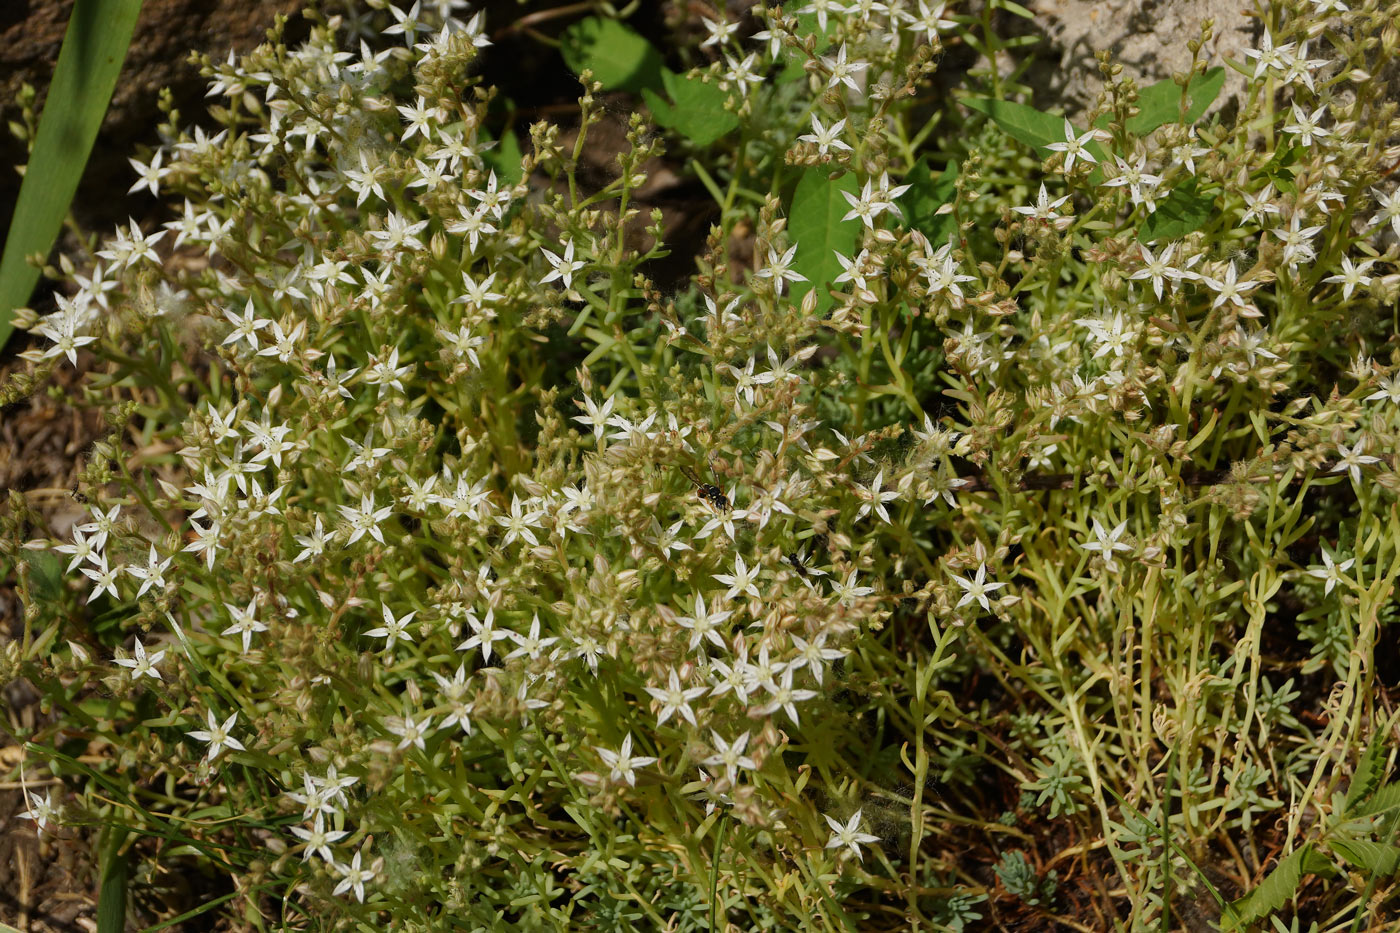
(710, 494)
(795, 559)
(77, 493)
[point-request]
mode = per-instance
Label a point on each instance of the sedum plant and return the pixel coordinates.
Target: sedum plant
(999, 481)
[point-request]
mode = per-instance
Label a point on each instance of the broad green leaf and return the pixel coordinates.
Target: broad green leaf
(1160, 103)
(45, 576)
(1280, 885)
(618, 55)
(816, 227)
(1030, 126)
(1375, 858)
(1182, 212)
(506, 158)
(696, 109)
(99, 32)
(927, 193)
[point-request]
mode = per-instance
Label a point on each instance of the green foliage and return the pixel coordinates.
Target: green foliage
(1184, 211)
(618, 56)
(1277, 888)
(817, 229)
(927, 194)
(94, 45)
(114, 867)
(1030, 126)
(1159, 104)
(444, 565)
(695, 110)
(1020, 878)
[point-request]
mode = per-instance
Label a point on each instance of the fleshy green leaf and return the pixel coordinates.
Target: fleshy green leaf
(1182, 212)
(618, 55)
(815, 225)
(1375, 858)
(696, 109)
(927, 193)
(1160, 103)
(99, 32)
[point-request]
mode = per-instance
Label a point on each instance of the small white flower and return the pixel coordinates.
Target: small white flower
(216, 735)
(730, 756)
(564, 266)
(40, 810)
(676, 699)
(783, 695)
(1352, 275)
(1353, 459)
(150, 174)
(393, 629)
(352, 875)
(741, 580)
(1389, 391)
(1074, 146)
(531, 645)
(410, 732)
(826, 138)
(843, 71)
(1043, 208)
(141, 665)
(977, 588)
(847, 592)
(1331, 571)
(703, 624)
(245, 622)
(848, 835)
(1106, 542)
(318, 839)
(874, 499)
(486, 634)
(622, 763)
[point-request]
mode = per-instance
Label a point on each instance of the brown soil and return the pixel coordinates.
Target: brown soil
(31, 32)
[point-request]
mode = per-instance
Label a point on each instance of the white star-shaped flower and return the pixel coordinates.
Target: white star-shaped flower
(141, 665)
(977, 588)
(622, 762)
(848, 835)
(216, 735)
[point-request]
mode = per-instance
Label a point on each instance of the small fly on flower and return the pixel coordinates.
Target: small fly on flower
(710, 494)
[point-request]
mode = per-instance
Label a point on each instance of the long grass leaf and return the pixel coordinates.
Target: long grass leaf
(99, 33)
(111, 896)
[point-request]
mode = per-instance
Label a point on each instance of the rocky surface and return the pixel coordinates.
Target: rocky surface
(1147, 37)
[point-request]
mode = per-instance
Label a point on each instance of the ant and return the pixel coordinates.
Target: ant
(709, 493)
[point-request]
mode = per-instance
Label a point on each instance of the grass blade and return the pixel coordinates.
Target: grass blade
(99, 32)
(111, 896)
